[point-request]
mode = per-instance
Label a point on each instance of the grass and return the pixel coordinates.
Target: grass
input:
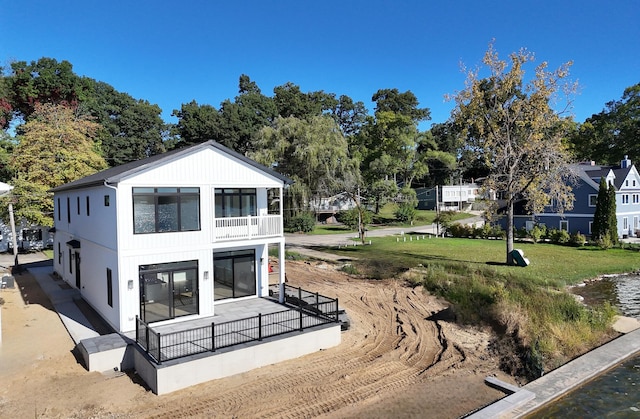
(386, 218)
(531, 304)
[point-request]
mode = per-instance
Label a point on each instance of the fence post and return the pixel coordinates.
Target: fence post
(146, 338)
(259, 326)
(337, 310)
(159, 351)
(213, 337)
(317, 303)
(300, 306)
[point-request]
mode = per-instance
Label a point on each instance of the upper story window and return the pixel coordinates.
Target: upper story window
(593, 200)
(160, 210)
(232, 202)
(636, 198)
(625, 198)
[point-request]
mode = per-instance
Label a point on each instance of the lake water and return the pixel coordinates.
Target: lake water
(615, 394)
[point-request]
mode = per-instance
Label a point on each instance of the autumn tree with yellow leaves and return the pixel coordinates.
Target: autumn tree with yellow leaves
(508, 120)
(56, 146)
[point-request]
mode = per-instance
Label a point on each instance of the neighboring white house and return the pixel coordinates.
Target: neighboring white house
(169, 237)
(458, 197)
(29, 237)
(340, 202)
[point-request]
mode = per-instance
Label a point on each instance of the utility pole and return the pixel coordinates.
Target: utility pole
(13, 234)
(437, 213)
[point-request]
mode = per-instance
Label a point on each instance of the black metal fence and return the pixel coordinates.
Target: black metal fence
(305, 310)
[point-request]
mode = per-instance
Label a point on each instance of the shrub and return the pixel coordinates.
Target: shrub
(444, 218)
(350, 218)
(304, 223)
(498, 232)
(537, 233)
(349, 269)
(459, 230)
(521, 233)
(604, 242)
(560, 236)
(578, 239)
(406, 212)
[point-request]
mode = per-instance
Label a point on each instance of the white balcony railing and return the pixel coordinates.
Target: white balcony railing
(241, 228)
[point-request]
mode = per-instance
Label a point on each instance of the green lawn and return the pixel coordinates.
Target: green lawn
(550, 264)
(386, 218)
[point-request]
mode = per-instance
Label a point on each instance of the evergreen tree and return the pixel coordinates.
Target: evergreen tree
(605, 223)
(600, 216)
(611, 214)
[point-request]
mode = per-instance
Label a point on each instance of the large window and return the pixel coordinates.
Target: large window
(235, 202)
(160, 210)
(168, 290)
(234, 274)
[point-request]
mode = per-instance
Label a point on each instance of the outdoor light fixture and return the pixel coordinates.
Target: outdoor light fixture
(205, 275)
(130, 284)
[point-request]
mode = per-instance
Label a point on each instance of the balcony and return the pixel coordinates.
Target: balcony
(244, 228)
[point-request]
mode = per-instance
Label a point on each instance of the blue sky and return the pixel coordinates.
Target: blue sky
(170, 53)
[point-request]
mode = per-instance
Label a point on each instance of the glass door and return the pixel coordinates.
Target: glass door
(234, 274)
(168, 290)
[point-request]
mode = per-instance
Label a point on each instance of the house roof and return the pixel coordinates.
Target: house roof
(596, 172)
(118, 173)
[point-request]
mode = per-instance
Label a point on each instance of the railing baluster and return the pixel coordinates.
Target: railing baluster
(259, 326)
(213, 337)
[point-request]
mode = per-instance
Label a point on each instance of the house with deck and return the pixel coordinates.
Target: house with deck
(623, 177)
(448, 197)
(172, 252)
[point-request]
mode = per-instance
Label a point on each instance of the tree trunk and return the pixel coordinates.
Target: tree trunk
(509, 231)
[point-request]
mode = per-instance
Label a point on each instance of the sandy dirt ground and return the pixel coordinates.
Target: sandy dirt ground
(401, 358)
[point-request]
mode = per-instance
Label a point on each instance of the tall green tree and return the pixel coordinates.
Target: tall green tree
(56, 146)
(512, 126)
(197, 123)
(313, 153)
(611, 213)
(243, 119)
(132, 129)
(601, 218)
(291, 101)
(612, 133)
(43, 81)
(349, 115)
(6, 109)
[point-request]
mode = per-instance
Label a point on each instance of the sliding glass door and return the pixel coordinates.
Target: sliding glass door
(234, 274)
(168, 290)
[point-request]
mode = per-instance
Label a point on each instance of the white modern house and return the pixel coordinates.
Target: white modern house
(172, 239)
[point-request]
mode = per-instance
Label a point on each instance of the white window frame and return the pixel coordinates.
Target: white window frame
(625, 223)
(595, 200)
(565, 223)
(625, 199)
(590, 226)
(635, 198)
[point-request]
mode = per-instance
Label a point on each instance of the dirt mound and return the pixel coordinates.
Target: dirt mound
(399, 358)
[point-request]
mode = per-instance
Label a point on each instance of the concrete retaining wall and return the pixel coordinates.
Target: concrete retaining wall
(185, 372)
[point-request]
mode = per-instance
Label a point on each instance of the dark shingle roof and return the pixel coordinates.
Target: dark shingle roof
(620, 174)
(116, 174)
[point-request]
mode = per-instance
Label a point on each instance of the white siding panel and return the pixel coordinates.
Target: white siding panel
(205, 167)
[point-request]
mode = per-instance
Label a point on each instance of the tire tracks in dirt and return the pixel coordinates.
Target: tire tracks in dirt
(391, 346)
